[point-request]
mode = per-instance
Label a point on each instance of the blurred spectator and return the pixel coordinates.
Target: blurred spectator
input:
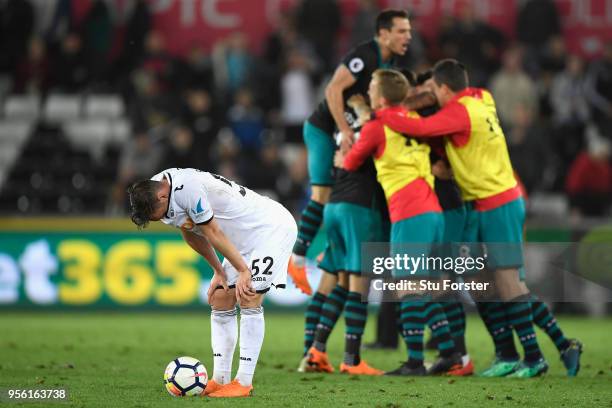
(33, 73)
(199, 116)
(537, 22)
(567, 97)
(278, 46)
(570, 111)
(232, 63)
(319, 21)
(283, 38)
(297, 95)
(293, 190)
(246, 120)
(553, 60)
(227, 152)
(181, 150)
(150, 107)
(364, 22)
(196, 69)
(137, 28)
(97, 29)
(527, 145)
(589, 182)
(16, 30)
(599, 91)
(140, 158)
(473, 42)
(60, 23)
(554, 56)
(263, 172)
(157, 61)
(70, 69)
(511, 88)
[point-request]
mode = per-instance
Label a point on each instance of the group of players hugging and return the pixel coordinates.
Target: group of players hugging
(427, 155)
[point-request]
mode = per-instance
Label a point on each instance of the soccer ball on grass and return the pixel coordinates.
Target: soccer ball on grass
(185, 376)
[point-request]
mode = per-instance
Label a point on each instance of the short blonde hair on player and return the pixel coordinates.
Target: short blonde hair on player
(392, 84)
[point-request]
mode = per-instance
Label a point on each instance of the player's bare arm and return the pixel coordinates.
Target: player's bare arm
(441, 170)
(221, 243)
(360, 105)
(201, 245)
(420, 101)
(341, 80)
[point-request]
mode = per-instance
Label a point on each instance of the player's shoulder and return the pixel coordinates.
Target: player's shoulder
(362, 56)
(186, 181)
(375, 124)
(177, 174)
(365, 48)
(475, 96)
(486, 96)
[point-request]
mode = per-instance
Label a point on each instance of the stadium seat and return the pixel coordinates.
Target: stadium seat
(13, 135)
(14, 132)
(8, 154)
(61, 108)
(90, 134)
(104, 106)
(548, 205)
(120, 131)
(22, 107)
(6, 83)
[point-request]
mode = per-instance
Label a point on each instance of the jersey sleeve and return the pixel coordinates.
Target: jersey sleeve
(451, 120)
(370, 140)
(194, 200)
(357, 60)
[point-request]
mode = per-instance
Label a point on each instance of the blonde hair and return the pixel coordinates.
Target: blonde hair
(393, 85)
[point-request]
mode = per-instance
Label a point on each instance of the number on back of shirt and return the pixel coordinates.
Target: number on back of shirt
(222, 179)
(493, 124)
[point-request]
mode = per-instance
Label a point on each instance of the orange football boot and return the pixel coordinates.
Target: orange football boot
(212, 386)
(360, 369)
(319, 360)
(233, 390)
(462, 371)
(298, 274)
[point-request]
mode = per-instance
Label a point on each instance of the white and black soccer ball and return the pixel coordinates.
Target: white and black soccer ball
(185, 376)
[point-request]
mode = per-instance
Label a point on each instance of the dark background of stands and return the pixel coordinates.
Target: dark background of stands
(81, 119)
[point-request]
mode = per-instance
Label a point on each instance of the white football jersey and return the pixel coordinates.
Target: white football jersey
(197, 196)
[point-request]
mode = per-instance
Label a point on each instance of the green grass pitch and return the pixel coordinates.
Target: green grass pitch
(117, 360)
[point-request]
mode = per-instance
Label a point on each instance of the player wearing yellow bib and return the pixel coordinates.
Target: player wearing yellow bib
(476, 149)
(404, 172)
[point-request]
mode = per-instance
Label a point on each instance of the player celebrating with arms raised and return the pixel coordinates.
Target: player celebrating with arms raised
(351, 77)
(253, 233)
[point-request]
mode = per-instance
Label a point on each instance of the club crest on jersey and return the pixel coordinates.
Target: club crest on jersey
(198, 209)
(356, 65)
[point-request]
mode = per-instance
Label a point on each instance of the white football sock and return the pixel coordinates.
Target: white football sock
(252, 329)
(223, 333)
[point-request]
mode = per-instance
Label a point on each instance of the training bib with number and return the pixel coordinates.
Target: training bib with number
(482, 166)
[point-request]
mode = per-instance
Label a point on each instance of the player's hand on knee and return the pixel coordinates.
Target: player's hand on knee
(219, 279)
(244, 287)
